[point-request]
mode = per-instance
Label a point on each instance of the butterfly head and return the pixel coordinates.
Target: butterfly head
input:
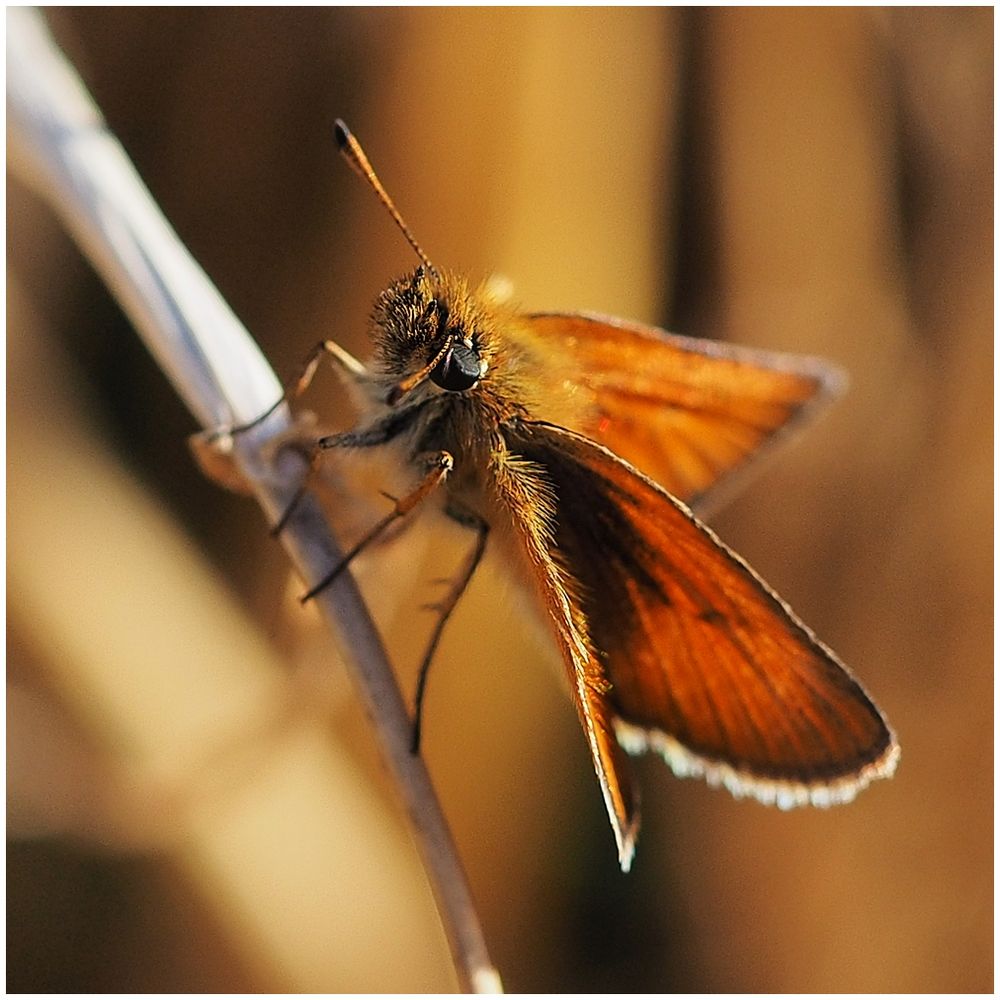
(430, 335)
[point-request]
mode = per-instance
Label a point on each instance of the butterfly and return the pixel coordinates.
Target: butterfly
(577, 446)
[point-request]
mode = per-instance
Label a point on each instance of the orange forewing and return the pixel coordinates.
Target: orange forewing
(689, 413)
(703, 661)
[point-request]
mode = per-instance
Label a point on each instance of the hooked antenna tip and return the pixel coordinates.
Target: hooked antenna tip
(351, 150)
(341, 134)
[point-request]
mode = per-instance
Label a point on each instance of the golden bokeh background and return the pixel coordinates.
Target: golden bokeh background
(194, 799)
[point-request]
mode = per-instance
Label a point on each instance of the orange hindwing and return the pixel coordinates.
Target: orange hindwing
(698, 657)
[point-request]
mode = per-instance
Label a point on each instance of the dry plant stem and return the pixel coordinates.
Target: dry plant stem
(59, 145)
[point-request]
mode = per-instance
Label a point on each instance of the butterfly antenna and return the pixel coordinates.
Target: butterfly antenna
(351, 150)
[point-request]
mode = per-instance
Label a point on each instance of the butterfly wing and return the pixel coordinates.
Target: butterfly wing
(689, 413)
(705, 663)
(526, 498)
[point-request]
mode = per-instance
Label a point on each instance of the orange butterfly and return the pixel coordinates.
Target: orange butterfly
(531, 430)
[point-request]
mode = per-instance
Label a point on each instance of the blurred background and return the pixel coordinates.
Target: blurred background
(194, 798)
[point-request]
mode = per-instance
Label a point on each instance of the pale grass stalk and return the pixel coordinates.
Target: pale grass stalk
(59, 144)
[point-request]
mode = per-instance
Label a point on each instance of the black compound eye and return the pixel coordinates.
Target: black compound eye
(458, 370)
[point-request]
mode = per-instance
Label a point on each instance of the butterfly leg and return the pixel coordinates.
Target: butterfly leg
(439, 464)
(216, 461)
(444, 609)
(381, 432)
(212, 448)
(346, 362)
